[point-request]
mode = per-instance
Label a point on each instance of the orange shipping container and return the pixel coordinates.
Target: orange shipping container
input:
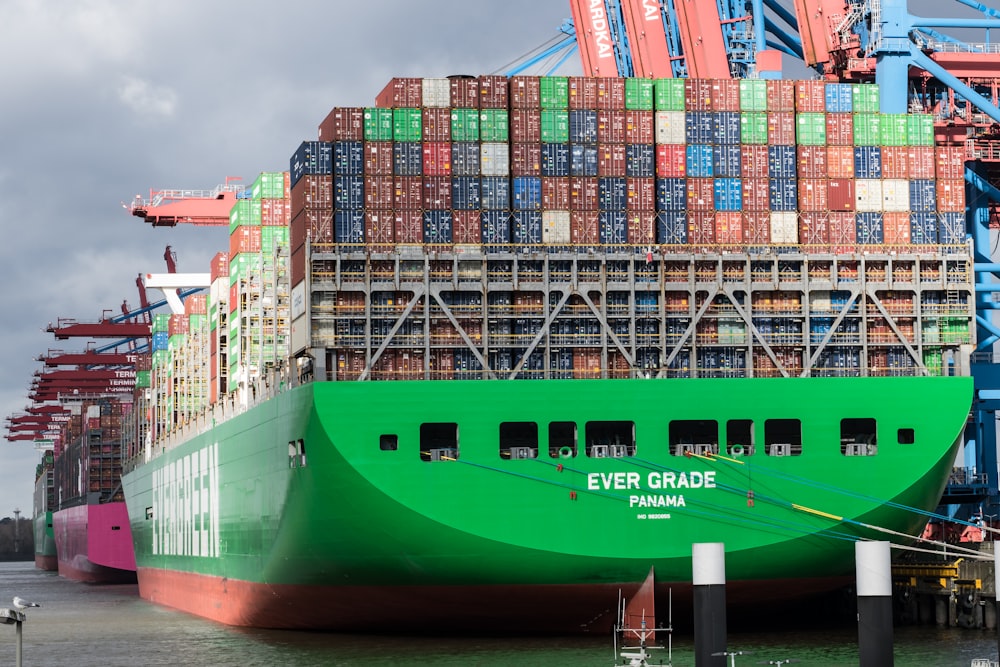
(671, 160)
(951, 195)
(555, 192)
(729, 227)
(584, 193)
(840, 161)
(757, 227)
(640, 194)
(701, 227)
(611, 126)
(814, 230)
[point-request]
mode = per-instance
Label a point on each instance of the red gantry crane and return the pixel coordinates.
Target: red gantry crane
(168, 208)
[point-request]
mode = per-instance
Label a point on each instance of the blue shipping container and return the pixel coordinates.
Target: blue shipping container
(698, 127)
(496, 227)
(311, 158)
(583, 126)
(923, 227)
(527, 227)
(698, 160)
(640, 160)
(951, 228)
(868, 162)
(407, 159)
(582, 160)
(781, 162)
(495, 193)
(671, 227)
(613, 227)
(671, 194)
(870, 228)
(465, 158)
(783, 194)
(923, 195)
(349, 226)
(161, 340)
(349, 192)
(527, 191)
(437, 226)
(612, 193)
(555, 159)
(465, 193)
(839, 98)
(726, 127)
(727, 161)
(728, 194)
(348, 157)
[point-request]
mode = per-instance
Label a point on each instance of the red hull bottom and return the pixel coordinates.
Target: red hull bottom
(506, 609)
(47, 563)
(82, 569)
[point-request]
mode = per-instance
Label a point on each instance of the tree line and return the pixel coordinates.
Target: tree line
(17, 539)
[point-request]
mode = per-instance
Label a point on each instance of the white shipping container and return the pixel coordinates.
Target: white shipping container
(896, 195)
(868, 194)
(494, 159)
(670, 127)
(784, 227)
(820, 300)
(555, 227)
(436, 92)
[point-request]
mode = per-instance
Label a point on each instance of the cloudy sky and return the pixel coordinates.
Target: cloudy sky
(101, 100)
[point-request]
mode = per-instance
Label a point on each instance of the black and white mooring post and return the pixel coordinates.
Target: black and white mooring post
(874, 578)
(708, 570)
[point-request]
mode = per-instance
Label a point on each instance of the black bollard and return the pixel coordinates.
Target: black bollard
(708, 569)
(874, 578)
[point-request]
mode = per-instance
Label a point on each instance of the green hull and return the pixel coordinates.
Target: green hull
(235, 524)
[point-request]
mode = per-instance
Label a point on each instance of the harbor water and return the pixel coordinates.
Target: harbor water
(81, 625)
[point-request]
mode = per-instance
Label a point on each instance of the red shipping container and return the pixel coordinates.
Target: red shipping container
(756, 196)
(701, 194)
(610, 92)
(436, 192)
(380, 227)
(219, 266)
(640, 127)
(611, 126)
(555, 192)
(812, 161)
(840, 129)
(951, 195)
(525, 92)
(780, 95)
(814, 230)
(584, 194)
(436, 123)
(921, 160)
(950, 161)
(725, 95)
(379, 191)
(754, 159)
(493, 92)
(840, 194)
(297, 265)
(641, 227)
(343, 124)
(526, 159)
(781, 129)
(840, 161)
(466, 227)
(640, 194)
(895, 162)
(437, 158)
(671, 160)
(401, 91)
(378, 158)
(409, 226)
(583, 92)
(312, 191)
(275, 212)
(244, 239)
(611, 160)
(196, 304)
(757, 227)
(408, 192)
(698, 94)
(843, 231)
(525, 125)
(178, 325)
(729, 227)
(896, 230)
(584, 227)
(701, 227)
(586, 363)
(464, 92)
(813, 194)
(810, 96)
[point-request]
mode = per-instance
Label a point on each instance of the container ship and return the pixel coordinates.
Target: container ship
(495, 346)
(44, 501)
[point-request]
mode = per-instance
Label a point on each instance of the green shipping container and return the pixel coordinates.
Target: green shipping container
(161, 322)
(865, 98)
(271, 238)
(669, 94)
(161, 358)
(244, 212)
(753, 127)
(554, 92)
(810, 129)
(753, 95)
(920, 129)
(867, 129)
(407, 124)
(894, 129)
(465, 124)
(639, 94)
(142, 379)
(196, 322)
(378, 124)
(932, 360)
(176, 341)
(494, 125)
(269, 185)
(555, 126)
